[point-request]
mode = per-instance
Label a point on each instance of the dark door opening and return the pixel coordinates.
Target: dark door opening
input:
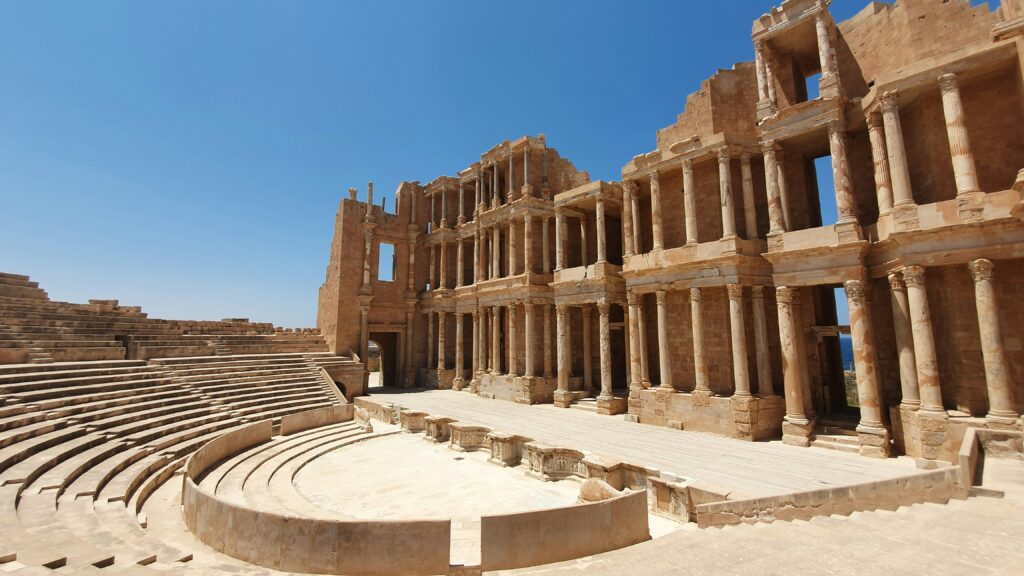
(387, 346)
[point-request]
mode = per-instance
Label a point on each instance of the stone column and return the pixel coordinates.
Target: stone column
(697, 327)
(605, 351)
(868, 390)
(364, 333)
(749, 207)
(904, 342)
(772, 184)
(788, 300)
(560, 233)
(824, 46)
(477, 241)
(584, 242)
(411, 274)
(481, 338)
(656, 232)
(527, 189)
(602, 254)
(883, 186)
(495, 340)
(462, 201)
(430, 339)
(548, 370)
(511, 176)
(496, 252)
(664, 361)
(634, 341)
(765, 384)
(513, 340)
(841, 174)
(433, 267)
(513, 265)
(628, 189)
(494, 187)
(442, 360)
(780, 173)
(635, 202)
(443, 283)
(645, 373)
(924, 340)
(588, 352)
(433, 213)
(444, 208)
(725, 191)
(689, 202)
(896, 154)
(959, 144)
(762, 75)
(459, 357)
(545, 246)
(740, 370)
(528, 243)
(475, 344)
(1001, 408)
(460, 272)
(563, 398)
(528, 338)
(410, 364)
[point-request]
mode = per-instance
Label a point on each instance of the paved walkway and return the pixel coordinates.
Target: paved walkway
(753, 468)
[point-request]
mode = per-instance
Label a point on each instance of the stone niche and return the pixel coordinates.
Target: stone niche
(747, 418)
(519, 389)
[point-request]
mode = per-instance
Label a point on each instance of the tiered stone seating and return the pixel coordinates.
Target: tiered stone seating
(84, 445)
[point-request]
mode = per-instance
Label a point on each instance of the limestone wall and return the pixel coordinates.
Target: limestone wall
(545, 536)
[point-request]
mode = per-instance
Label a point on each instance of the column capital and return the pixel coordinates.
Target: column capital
(888, 101)
(603, 307)
(695, 294)
(659, 296)
(981, 269)
(914, 276)
(688, 165)
(769, 148)
(874, 120)
(857, 292)
(787, 295)
(896, 281)
(724, 154)
(757, 292)
(655, 176)
(948, 83)
(631, 298)
(835, 126)
(561, 308)
(629, 187)
(735, 291)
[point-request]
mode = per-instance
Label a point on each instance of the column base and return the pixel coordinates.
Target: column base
(997, 419)
(563, 398)
(609, 406)
(874, 442)
(932, 426)
(526, 191)
(458, 383)
(797, 432)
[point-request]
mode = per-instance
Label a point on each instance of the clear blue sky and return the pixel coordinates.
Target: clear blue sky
(188, 157)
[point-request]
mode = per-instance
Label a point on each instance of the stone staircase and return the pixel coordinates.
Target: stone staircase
(836, 437)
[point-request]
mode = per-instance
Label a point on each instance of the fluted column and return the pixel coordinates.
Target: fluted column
(495, 193)
(1001, 408)
(560, 232)
(788, 299)
(605, 351)
(462, 201)
(433, 267)
(496, 252)
(564, 364)
(444, 208)
(495, 340)
(628, 189)
(780, 175)
(697, 326)
(664, 361)
(645, 372)
(749, 207)
(824, 45)
(904, 342)
(528, 338)
(924, 340)
(772, 185)
(635, 204)
(602, 252)
(656, 232)
(883, 185)
(513, 265)
(634, 341)
(762, 75)
(546, 247)
(459, 357)
(841, 173)
(868, 390)
(896, 154)
(765, 384)
(513, 340)
(442, 360)
(430, 339)
(511, 177)
(689, 202)
(443, 283)
(476, 255)
(740, 370)
(959, 144)
(725, 192)
(588, 357)
(475, 344)
(460, 270)
(481, 338)
(528, 264)
(584, 242)
(548, 370)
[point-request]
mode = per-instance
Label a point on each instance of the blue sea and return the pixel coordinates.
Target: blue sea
(846, 346)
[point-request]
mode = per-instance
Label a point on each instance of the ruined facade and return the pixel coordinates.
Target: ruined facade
(699, 291)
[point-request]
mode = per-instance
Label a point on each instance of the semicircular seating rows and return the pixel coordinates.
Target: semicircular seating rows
(90, 451)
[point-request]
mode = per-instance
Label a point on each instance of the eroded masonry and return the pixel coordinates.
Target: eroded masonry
(699, 292)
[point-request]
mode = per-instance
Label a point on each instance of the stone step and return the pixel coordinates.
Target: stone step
(830, 445)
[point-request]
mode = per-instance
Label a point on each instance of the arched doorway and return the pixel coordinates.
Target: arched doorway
(383, 359)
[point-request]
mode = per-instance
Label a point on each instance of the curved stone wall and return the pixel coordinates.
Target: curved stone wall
(301, 544)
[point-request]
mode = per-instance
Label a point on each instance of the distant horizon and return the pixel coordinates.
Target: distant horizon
(200, 180)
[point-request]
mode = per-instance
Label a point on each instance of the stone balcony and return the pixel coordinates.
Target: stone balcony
(718, 258)
(583, 283)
